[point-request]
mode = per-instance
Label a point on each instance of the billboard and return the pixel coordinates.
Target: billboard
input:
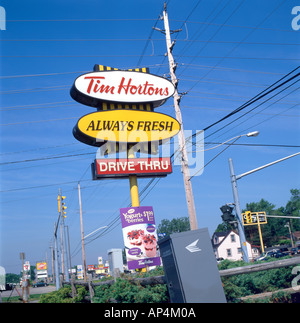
(79, 271)
(140, 237)
(41, 266)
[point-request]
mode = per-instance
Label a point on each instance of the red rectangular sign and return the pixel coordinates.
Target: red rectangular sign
(120, 167)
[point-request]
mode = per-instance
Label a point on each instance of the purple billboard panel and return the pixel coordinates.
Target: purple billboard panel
(140, 237)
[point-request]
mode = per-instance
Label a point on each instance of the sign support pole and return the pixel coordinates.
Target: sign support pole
(134, 191)
(260, 235)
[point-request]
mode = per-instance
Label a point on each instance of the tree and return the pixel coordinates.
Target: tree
(175, 225)
(12, 278)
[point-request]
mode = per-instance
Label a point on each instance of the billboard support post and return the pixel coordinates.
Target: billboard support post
(134, 191)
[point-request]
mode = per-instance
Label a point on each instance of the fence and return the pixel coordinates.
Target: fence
(154, 280)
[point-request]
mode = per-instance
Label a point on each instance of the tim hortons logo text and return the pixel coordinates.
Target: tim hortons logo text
(126, 86)
(122, 87)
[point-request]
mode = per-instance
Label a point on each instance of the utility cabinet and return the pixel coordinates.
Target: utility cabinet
(190, 268)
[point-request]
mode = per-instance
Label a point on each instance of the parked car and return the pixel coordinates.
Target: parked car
(269, 254)
(39, 284)
(295, 251)
(284, 250)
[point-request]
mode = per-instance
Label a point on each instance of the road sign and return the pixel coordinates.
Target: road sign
(253, 218)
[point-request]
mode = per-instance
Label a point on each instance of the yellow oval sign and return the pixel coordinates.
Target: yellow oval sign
(125, 126)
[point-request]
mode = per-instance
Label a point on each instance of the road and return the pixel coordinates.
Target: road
(37, 290)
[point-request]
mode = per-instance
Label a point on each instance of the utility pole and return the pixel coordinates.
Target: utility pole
(56, 256)
(69, 249)
(290, 232)
(82, 236)
(62, 249)
(181, 138)
(61, 208)
(52, 261)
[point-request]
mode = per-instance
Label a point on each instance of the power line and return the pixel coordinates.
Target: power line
(259, 96)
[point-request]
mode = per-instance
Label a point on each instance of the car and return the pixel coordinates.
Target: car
(39, 284)
(271, 254)
(284, 250)
(266, 255)
(295, 251)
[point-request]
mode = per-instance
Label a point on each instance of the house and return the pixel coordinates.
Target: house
(227, 245)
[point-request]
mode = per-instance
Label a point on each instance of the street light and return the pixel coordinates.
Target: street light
(94, 231)
(249, 134)
(234, 179)
(252, 134)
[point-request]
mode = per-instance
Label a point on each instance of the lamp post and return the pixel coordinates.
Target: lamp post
(234, 179)
(249, 134)
(237, 203)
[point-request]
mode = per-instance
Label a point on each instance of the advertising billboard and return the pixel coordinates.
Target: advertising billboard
(41, 266)
(140, 237)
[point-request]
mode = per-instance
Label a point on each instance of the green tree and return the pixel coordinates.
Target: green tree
(292, 208)
(175, 225)
(12, 278)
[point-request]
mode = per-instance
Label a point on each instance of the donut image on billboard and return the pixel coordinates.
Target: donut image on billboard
(140, 237)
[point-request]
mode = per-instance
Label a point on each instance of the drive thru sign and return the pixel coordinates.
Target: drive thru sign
(122, 167)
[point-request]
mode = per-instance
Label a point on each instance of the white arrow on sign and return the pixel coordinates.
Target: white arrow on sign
(193, 246)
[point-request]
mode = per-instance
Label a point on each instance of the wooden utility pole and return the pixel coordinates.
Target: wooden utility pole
(181, 138)
(62, 248)
(82, 236)
(52, 258)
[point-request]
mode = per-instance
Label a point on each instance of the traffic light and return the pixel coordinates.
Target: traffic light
(248, 217)
(63, 208)
(61, 205)
(227, 213)
(58, 202)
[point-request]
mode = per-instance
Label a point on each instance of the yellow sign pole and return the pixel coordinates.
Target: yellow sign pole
(134, 191)
(260, 235)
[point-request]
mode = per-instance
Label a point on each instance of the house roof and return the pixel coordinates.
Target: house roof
(220, 234)
(224, 234)
(296, 234)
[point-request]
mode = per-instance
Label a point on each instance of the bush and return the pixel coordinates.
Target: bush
(255, 283)
(64, 295)
(124, 291)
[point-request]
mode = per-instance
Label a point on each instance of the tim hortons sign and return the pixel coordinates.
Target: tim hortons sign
(125, 126)
(125, 87)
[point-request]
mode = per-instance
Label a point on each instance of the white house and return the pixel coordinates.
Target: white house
(227, 245)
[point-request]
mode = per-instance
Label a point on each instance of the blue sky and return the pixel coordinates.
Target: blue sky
(227, 52)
